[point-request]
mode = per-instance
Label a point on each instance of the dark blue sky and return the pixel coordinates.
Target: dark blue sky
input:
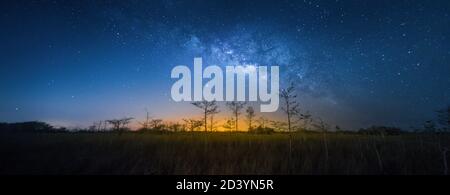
(355, 63)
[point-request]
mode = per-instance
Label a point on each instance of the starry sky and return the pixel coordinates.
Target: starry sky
(355, 63)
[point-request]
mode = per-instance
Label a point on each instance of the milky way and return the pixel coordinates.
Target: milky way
(354, 63)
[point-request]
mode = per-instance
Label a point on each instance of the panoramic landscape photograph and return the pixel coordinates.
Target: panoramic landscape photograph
(225, 87)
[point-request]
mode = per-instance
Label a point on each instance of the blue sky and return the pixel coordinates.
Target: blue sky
(355, 63)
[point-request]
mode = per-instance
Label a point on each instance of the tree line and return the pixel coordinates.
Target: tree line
(295, 120)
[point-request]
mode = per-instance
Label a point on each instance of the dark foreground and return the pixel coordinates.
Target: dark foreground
(221, 153)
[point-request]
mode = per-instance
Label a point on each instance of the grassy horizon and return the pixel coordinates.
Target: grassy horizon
(222, 153)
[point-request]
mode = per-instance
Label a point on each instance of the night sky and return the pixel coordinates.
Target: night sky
(355, 63)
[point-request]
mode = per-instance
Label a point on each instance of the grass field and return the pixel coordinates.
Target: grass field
(221, 153)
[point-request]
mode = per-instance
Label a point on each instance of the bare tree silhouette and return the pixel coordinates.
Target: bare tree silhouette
(278, 125)
(235, 108)
(98, 126)
(212, 113)
(262, 121)
(208, 107)
(321, 125)
(291, 106)
(156, 124)
(229, 124)
(120, 125)
(192, 124)
(250, 115)
(306, 118)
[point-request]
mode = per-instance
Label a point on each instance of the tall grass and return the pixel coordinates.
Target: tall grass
(221, 153)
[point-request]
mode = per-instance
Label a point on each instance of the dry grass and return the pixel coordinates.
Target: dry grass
(220, 153)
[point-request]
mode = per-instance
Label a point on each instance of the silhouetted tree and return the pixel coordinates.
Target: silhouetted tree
(291, 107)
(174, 126)
(192, 124)
(321, 125)
(125, 122)
(32, 126)
(98, 126)
(306, 118)
(279, 125)
(250, 115)
(235, 108)
(229, 124)
(120, 124)
(208, 107)
(156, 124)
(212, 123)
(262, 121)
